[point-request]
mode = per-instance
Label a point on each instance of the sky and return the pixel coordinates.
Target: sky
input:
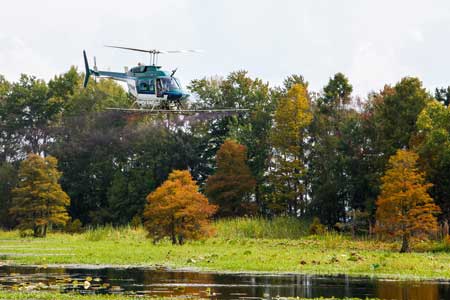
(372, 42)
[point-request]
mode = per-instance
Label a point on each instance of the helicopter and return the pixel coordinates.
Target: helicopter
(153, 89)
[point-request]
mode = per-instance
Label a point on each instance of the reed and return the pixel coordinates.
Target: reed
(261, 228)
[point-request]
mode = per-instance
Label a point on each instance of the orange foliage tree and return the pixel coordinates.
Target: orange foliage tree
(404, 207)
(233, 182)
(178, 210)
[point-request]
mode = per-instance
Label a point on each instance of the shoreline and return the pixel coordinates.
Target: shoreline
(329, 255)
(378, 277)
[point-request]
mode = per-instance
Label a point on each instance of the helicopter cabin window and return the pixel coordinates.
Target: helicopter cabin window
(143, 86)
(139, 69)
(151, 86)
(146, 87)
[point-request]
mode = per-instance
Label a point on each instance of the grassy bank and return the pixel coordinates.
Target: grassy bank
(328, 254)
(4, 295)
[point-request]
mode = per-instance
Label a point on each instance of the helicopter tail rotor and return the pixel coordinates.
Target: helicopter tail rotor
(88, 71)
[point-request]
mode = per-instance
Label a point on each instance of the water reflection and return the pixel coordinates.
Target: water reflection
(412, 291)
(220, 285)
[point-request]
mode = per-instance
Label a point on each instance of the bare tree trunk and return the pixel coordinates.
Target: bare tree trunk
(405, 244)
(445, 230)
(173, 235)
(353, 223)
(174, 239)
(258, 199)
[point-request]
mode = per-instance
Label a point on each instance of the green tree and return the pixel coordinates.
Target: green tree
(9, 141)
(288, 137)
(88, 148)
(389, 122)
(26, 113)
(339, 168)
(292, 80)
(111, 164)
(4, 87)
(404, 207)
(178, 210)
(126, 195)
(432, 143)
(98, 95)
(8, 180)
(65, 85)
(31, 110)
(232, 183)
(337, 156)
(442, 95)
(392, 115)
(338, 91)
(38, 200)
(250, 129)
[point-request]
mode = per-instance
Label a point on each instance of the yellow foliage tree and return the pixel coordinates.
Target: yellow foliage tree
(38, 200)
(404, 207)
(178, 210)
(292, 117)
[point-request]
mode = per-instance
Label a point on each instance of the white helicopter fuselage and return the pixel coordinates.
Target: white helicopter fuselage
(144, 100)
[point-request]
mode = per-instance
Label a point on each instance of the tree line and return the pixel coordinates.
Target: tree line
(296, 152)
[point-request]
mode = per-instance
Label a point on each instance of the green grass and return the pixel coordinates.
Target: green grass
(259, 228)
(328, 254)
(5, 295)
(110, 233)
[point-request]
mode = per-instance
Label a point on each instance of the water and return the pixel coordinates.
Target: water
(219, 285)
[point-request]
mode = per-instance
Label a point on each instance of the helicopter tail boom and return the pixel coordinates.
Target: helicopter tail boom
(97, 73)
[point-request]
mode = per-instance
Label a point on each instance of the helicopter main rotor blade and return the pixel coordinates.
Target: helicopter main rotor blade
(182, 51)
(135, 49)
(155, 51)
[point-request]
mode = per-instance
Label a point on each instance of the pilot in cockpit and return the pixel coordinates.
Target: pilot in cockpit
(159, 87)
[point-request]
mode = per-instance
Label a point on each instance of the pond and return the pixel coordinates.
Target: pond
(165, 282)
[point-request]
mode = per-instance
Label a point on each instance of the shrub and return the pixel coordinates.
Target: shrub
(136, 222)
(26, 233)
(443, 246)
(316, 227)
(74, 226)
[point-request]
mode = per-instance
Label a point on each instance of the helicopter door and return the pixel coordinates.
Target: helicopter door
(151, 86)
(159, 88)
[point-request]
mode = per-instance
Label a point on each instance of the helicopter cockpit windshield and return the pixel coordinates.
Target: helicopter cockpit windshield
(166, 84)
(169, 84)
